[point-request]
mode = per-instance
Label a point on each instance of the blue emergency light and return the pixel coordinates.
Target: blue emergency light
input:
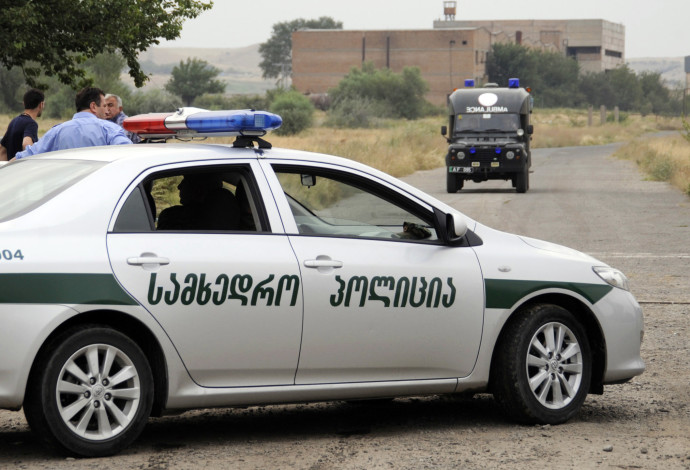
(513, 83)
(230, 121)
(469, 83)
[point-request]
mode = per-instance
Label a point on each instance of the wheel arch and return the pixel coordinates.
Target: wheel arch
(585, 315)
(129, 326)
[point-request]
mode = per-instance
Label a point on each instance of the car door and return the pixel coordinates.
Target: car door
(384, 298)
(230, 301)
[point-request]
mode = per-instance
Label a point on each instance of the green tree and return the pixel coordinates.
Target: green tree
(556, 84)
(56, 37)
(626, 87)
(552, 77)
(655, 95)
(193, 78)
(11, 91)
(276, 53)
(507, 60)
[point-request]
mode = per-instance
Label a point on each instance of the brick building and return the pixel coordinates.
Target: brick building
(320, 59)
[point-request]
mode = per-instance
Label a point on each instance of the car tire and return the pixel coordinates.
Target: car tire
(90, 393)
(522, 181)
(542, 366)
(454, 183)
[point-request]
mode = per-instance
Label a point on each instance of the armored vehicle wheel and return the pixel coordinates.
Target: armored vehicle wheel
(454, 183)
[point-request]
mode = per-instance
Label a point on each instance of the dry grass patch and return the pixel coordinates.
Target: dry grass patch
(662, 159)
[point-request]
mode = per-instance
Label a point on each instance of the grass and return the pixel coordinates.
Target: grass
(402, 147)
(662, 159)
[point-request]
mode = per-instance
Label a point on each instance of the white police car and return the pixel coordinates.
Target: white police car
(277, 276)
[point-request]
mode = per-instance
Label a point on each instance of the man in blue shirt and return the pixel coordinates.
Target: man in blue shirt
(88, 127)
(23, 130)
(114, 113)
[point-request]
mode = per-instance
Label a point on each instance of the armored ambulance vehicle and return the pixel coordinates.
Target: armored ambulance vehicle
(489, 136)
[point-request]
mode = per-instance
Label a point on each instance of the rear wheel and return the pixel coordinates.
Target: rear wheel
(542, 367)
(454, 183)
(91, 393)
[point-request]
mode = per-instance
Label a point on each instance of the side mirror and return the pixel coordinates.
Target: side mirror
(444, 130)
(456, 226)
(530, 129)
(308, 180)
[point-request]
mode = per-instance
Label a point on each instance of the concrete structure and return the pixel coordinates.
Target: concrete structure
(597, 45)
(451, 52)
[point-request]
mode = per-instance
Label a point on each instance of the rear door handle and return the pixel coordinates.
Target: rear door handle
(323, 263)
(148, 260)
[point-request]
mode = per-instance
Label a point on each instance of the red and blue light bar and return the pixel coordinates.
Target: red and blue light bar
(195, 122)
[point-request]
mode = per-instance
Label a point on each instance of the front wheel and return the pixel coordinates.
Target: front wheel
(90, 393)
(521, 181)
(542, 367)
(454, 183)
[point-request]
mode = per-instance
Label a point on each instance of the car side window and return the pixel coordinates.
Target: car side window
(206, 199)
(326, 203)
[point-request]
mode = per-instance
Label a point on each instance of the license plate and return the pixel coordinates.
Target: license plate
(459, 169)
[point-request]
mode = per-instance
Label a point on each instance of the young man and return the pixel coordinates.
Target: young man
(23, 130)
(115, 114)
(88, 127)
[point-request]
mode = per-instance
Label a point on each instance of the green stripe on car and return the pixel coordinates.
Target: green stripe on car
(62, 288)
(506, 293)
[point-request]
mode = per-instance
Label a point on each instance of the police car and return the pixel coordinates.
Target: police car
(143, 279)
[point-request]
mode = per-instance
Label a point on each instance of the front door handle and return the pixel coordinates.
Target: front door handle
(148, 261)
(323, 263)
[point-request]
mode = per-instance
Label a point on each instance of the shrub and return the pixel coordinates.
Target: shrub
(215, 101)
(295, 109)
(355, 113)
(392, 95)
(153, 101)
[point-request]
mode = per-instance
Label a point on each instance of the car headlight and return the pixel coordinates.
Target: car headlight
(510, 154)
(461, 155)
(612, 276)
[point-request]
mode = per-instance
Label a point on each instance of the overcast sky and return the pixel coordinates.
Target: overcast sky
(653, 28)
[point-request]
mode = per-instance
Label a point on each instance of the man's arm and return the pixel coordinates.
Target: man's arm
(26, 142)
(30, 134)
(3, 153)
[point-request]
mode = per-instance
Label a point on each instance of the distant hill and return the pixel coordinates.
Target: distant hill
(240, 66)
(672, 69)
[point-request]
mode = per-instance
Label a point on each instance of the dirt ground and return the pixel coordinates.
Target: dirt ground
(580, 198)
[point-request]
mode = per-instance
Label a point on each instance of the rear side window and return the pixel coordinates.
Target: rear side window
(27, 184)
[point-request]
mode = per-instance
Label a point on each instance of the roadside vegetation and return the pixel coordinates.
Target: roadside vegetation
(664, 158)
(401, 147)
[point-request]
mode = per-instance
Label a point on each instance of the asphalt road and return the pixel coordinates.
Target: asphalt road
(579, 197)
(584, 198)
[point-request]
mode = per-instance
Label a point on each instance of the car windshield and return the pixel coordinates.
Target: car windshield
(487, 122)
(27, 184)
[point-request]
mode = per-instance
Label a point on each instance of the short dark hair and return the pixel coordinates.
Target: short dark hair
(86, 96)
(33, 98)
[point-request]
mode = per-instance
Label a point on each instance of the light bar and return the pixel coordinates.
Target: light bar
(194, 122)
(469, 83)
(148, 124)
(513, 83)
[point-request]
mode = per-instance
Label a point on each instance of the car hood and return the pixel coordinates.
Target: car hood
(506, 256)
(559, 249)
